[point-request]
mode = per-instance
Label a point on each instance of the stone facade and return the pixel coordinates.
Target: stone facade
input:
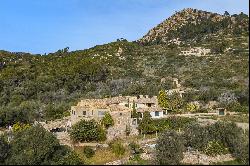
(120, 108)
(196, 157)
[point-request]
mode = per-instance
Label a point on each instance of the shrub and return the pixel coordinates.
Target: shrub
(135, 148)
(70, 159)
(190, 107)
(117, 148)
(87, 131)
(195, 136)
(19, 127)
(214, 148)
(146, 126)
(36, 146)
(226, 132)
(107, 121)
(169, 148)
(174, 123)
(237, 107)
(241, 149)
(202, 110)
(88, 151)
(4, 149)
(179, 122)
(214, 139)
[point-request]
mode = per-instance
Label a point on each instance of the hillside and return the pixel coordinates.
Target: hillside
(36, 87)
(192, 25)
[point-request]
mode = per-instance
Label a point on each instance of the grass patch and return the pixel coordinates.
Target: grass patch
(232, 162)
(214, 117)
(101, 156)
(243, 118)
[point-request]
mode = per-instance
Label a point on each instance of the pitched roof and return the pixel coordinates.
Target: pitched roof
(152, 100)
(114, 107)
(150, 109)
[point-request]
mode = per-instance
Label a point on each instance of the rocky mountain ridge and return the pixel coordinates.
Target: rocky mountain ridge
(169, 30)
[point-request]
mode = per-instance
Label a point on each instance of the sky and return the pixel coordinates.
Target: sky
(44, 26)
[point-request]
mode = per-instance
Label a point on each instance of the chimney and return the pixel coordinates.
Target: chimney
(141, 96)
(146, 96)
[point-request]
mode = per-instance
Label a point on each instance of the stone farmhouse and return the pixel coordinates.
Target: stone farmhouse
(120, 108)
(122, 105)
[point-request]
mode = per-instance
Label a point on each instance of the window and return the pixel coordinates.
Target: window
(84, 112)
(157, 113)
(74, 112)
(134, 122)
(92, 112)
(101, 113)
(120, 114)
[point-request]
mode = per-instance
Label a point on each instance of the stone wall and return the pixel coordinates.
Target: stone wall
(195, 157)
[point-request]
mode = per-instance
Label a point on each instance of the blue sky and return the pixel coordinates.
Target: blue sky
(43, 26)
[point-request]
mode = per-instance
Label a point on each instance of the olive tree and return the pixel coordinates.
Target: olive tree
(169, 148)
(87, 130)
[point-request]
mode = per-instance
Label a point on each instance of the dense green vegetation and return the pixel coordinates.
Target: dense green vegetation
(86, 131)
(169, 148)
(117, 147)
(148, 125)
(107, 121)
(35, 146)
(216, 139)
(88, 151)
(208, 26)
(219, 138)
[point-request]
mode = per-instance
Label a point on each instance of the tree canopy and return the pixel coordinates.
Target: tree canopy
(36, 146)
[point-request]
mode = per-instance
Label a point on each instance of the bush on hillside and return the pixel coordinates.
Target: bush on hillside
(107, 121)
(196, 136)
(169, 148)
(241, 149)
(4, 149)
(215, 148)
(220, 137)
(36, 146)
(88, 151)
(146, 125)
(135, 148)
(117, 148)
(87, 131)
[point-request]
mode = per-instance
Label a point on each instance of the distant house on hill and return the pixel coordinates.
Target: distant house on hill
(196, 51)
(151, 105)
(221, 111)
